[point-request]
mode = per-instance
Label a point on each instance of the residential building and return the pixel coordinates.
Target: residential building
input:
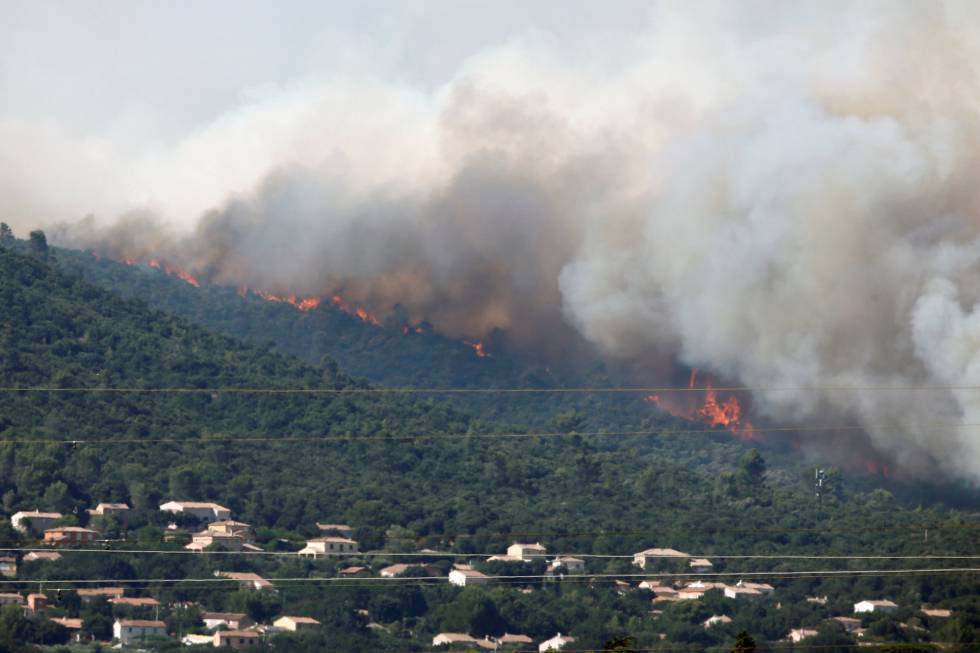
(799, 634)
(237, 638)
(230, 620)
(700, 566)
(526, 552)
(395, 570)
(129, 631)
(464, 577)
(120, 510)
(204, 539)
(86, 594)
(567, 565)
(11, 598)
(850, 624)
(230, 527)
(556, 643)
(8, 566)
(354, 571)
(295, 623)
(67, 622)
(819, 600)
(653, 556)
(247, 580)
(69, 535)
(340, 529)
(697, 589)
(47, 556)
(881, 605)
(135, 601)
(33, 521)
(508, 640)
(206, 510)
(747, 590)
(717, 620)
(329, 546)
(37, 603)
(936, 613)
(453, 639)
(197, 640)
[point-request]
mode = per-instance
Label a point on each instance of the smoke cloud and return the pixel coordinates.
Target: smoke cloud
(780, 194)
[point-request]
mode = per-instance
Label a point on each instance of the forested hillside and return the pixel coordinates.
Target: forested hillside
(410, 472)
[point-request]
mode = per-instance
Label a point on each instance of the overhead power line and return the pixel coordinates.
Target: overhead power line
(433, 390)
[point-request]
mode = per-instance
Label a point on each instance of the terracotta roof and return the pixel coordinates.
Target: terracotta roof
(507, 638)
(301, 620)
(663, 553)
(333, 538)
(71, 624)
(142, 623)
(456, 637)
(224, 616)
(100, 591)
(352, 570)
(134, 600)
(36, 513)
(936, 612)
(333, 527)
(70, 529)
(43, 555)
(222, 634)
(198, 504)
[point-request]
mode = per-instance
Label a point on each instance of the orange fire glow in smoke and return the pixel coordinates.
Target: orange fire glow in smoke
(711, 411)
(172, 270)
(478, 347)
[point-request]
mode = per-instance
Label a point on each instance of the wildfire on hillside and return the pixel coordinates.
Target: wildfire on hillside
(169, 269)
(478, 347)
(707, 409)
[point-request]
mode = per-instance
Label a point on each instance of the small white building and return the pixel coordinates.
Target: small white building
(204, 539)
(206, 510)
(567, 565)
(747, 590)
(464, 577)
(880, 605)
(526, 552)
(700, 565)
(650, 556)
(450, 639)
(295, 623)
(128, 631)
(799, 634)
(716, 620)
(230, 620)
(33, 521)
(556, 643)
(120, 510)
(329, 546)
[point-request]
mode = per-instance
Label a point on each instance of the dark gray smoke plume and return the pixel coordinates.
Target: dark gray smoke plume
(789, 201)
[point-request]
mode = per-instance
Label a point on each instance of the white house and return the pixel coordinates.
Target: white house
(295, 623)
(464, 577)
(556, 643)
(329, 546)
(526, 552)
(875, 606)
(204, 539)
(799, 634)
(206, 510)
(236, 638)
(128, 631)
(33, 521)
(700, 565)
(120, 510)
(567, 565)
(714, 620)
(449, 639)
(230, 620)
(648, 556)
(246, 579)
(747, 590)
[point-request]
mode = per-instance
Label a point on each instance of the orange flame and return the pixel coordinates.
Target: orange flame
(359, 312)
(875, 468)
(302, 303)
(726, 413)
(478, 347)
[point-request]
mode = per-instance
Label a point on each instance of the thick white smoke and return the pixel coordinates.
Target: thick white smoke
(781, 194)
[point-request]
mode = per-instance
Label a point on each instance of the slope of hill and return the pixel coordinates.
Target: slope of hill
(408, 472)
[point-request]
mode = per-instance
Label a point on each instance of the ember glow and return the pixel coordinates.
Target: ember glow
(478, 347)
(169, 269)
(357, 311)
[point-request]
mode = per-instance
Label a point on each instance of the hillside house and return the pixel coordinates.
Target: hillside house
(246, 579)
(697, 589)
(205, 510)
(135, 601)
(936, 613)
(11, 598)
(86, 594)
(700, 566)
(295, 623)
(453, 639)
(336, 529)
(8, 566)
(464, 577)
(747, 590)
(70, 535)
(717, 620)
(567, 565)
(797, 635)
(526, 552)
(556, 643)
(237, 638)
(33, 522)
(230, 620)
(349, 572)
(129, 631)
(120, 510)
(518, 641)
(395, 570)
(654, 556)
(230, 527)
(46, 556)
(881, 605)
(74, 626)
(37, 603)
(204, 539)
(850, 624)
(329, 546)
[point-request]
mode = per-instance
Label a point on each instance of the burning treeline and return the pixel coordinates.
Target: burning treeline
(791, 205)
